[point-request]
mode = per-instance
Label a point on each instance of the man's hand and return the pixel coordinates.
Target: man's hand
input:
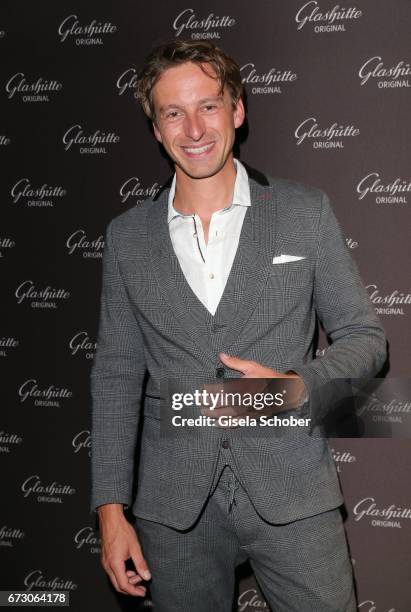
(119, 542)
(252, 369)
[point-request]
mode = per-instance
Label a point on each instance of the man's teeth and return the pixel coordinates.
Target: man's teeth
(198, 150)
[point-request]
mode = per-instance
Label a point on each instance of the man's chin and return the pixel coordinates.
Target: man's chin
(201, 172)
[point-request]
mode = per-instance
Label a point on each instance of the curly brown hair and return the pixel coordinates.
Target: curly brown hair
(179, 51)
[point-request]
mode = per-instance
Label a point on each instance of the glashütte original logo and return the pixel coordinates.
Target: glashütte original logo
(7, 343)
(48, 397)
(40, 298)
(389, 303)
(132, 188)
(10, 535)
(384, 411)
(6, 244)
(36, 580)
(81, 344)
(385, 77)
(385, 193)
(93, 144)
(188, 24)
(48, 493)
(380, 517)
(18, 86)
(91, 34)
(43, 196)
(126, 81)
(4, 140)
(82, 440)
(324, 138)
(250, 600)
(333, 20)
(78, 242)
(342, 457)
(9, 441)
(86, 537)
(369, 605)
(269, 82)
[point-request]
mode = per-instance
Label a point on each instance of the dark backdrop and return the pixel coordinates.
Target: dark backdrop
(328, 97)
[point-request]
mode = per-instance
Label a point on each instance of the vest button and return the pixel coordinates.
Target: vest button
(220, 372)
(217, 326)
(225, 444)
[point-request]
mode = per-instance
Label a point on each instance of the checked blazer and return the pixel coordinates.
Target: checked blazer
(152, 325)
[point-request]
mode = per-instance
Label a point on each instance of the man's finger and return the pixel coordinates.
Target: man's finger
(133, 577)
(118, 568)
(244, 366)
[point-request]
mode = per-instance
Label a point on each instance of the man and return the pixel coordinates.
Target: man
(222, 275)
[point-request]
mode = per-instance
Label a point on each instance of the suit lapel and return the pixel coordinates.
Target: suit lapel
(192, 316)
(250, 269)
(245, 283)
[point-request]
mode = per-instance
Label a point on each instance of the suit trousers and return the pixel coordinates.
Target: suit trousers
(301, 566)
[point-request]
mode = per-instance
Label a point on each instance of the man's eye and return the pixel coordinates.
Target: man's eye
(172, 115)
(210, 106)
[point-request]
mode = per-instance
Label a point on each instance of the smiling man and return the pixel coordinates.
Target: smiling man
(224, 273)
(196, 123)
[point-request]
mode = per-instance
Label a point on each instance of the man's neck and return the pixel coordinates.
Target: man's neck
(207, 195)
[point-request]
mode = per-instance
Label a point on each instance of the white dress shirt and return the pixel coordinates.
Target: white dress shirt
(206, 267)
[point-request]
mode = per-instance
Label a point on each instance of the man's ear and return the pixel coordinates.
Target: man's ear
(239, 113)
(156, 132)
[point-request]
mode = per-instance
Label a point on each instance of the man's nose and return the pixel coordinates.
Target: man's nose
(194, 126)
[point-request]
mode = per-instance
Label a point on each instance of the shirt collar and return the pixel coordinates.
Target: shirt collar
(241, 195)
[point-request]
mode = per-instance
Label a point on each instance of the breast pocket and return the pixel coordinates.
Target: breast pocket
(291, 274)
(288, 291)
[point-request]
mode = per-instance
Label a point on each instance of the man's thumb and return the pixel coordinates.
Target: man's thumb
(140, 563)
(234, 363)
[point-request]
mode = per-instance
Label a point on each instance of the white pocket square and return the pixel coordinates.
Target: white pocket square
(286, 258)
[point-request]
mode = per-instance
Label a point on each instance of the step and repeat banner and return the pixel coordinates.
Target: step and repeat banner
(328, 102)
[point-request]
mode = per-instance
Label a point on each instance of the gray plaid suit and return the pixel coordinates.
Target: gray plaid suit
(151, 320)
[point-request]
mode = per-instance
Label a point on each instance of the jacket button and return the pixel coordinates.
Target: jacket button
(225, 444)
(220, 372)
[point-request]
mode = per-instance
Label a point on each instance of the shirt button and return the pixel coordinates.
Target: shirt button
(225, 444)
(220, 372)
(211, 275)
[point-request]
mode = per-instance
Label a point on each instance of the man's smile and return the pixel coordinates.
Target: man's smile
(198, 151)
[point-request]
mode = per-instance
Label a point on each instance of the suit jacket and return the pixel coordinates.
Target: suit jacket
(150, 320)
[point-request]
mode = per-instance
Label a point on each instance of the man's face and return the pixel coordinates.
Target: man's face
(194, 123)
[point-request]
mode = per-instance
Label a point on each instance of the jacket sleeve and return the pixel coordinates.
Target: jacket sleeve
(358, 343)
(116, 381)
